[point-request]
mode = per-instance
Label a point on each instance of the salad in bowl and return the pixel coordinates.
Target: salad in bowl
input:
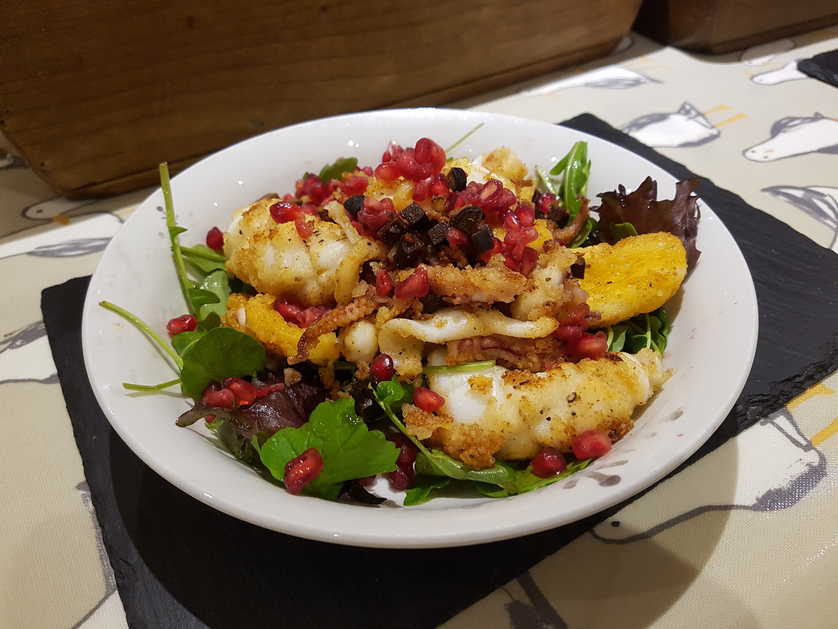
(427, 324)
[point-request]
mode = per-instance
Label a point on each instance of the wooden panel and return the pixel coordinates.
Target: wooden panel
(95, 94)
(718, 26)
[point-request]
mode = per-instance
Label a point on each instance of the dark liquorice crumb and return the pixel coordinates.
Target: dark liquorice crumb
(438, 234)
(392, 230)
(482, 240)
(469, 219)
(354, 204)
(456, 179)
(414, 216)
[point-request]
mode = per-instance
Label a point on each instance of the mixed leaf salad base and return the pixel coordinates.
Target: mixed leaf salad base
(329, 427)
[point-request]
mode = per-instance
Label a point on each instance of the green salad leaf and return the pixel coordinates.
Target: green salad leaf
(618, 231)
(524, 480)
(424, 488)
(203, 258)
(219, 353)
(336, 169)
(642, 331)
(349, 450)
(576, 168)
(217, 285)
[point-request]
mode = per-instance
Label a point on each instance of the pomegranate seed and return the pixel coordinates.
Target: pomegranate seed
(245, 392)
(382, 368)
(354, 184)
(209, 419)
(526, 215)
(456, 237)
(569, 332)
(301, 470)
(215, 239)
(303, 228)
(591, 346)
(422, 190)
(492, 187)
(387, 171)
(183, 323)
(429, 152)
(428, 400)
(439, 187)
(545, 201)
(383, 283)
(399, 479)
(313, 188)
(284, 211)
(416, 285)
(549, 462)
(528, 260)
(591, 444)
(310, 209)
(375, 214)
(367, 171)
(221, 398)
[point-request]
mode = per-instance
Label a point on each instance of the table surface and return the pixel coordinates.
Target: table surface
(749, 121)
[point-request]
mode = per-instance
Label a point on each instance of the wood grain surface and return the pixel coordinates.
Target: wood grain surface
(95, 94)
(719, 26)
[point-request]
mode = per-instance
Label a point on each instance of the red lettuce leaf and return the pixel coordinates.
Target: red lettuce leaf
(289, 407)
(642, 209)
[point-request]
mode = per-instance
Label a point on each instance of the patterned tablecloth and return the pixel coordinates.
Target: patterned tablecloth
(746, 537)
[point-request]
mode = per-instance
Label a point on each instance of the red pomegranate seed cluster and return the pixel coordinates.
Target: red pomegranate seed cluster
(237, 392)
(402, 478)
(375, 214)
(421, 162)
(183, 323)
(301, 470)
(299, 315)
(520, 231)
(549, 462)
(590, 444)
(579, 343)
(287, 211)
(429, 401)
(416, 286)
(491, 197)
(312, 187)
(382, 368)
(215, 239)
(435, 186)
(354, 184)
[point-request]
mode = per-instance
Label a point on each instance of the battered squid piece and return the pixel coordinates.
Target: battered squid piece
(338, 317)
(476, 285)
(552, 289)
(531, 411)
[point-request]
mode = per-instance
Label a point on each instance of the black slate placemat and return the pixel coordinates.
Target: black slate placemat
(823, 67)
(179, 563)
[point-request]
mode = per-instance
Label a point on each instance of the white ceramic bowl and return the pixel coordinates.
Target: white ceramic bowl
(711, 347)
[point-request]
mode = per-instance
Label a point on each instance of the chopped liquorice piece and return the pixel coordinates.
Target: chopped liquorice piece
(414, 216)
(438, 234)
(456, 179)
(557, 214)
(392, 230)
(482, 239)
(536, 195)
(354, 204)
(410, 249)
(469, 219)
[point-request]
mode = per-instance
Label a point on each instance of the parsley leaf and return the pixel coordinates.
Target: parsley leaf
(642, 331)
(337, 169)
(349, 450)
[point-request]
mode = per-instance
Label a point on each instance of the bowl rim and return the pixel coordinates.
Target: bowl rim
(431, 537)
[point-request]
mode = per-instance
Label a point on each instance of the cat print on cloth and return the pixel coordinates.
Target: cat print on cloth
(25, 356)
(819, 202)
(682, 128)
(791, 136)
